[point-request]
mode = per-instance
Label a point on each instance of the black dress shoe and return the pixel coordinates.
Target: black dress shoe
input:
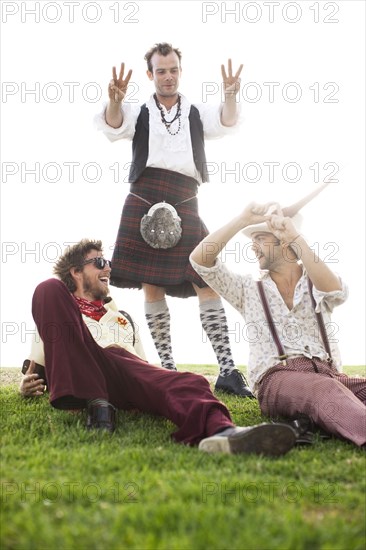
(306, 428)
(101, 417)
(234, 383)
(264, 439)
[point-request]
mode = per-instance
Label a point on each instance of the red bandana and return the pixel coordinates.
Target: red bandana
(95, 309)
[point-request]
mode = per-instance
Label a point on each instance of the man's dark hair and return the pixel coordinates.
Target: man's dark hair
(162, 48)
(74, 256)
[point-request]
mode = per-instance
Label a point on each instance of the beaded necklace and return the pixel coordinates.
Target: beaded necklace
(168, 123)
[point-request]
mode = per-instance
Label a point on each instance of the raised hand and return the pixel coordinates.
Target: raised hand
(231, 83)
(31, 385)
(283, 228)
(255, 213)
(118, 86)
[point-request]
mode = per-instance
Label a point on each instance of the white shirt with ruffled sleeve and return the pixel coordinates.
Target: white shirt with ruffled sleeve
(170, 152)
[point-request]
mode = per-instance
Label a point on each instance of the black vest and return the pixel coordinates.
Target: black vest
(140, 144)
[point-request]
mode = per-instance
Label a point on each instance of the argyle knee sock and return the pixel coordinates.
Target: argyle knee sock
(158, 320)
(214, 322)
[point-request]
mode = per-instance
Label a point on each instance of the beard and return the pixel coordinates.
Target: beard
(95, 290)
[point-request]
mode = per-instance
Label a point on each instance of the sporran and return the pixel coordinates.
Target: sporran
(161, 226)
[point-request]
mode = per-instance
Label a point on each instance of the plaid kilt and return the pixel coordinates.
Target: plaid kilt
(134, 261)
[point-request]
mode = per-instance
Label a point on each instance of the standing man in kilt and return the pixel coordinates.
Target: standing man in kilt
(168, 165)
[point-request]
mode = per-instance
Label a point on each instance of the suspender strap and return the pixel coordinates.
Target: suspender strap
(130, 320)
(281, 352)
(319, 318)
(320, 321)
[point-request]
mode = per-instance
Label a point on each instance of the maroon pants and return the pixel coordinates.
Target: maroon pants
(78, 369)
(334, 401)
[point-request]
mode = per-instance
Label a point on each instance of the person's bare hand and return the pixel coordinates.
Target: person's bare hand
(231, 82)
(31, 385)
(257, 213)
(283, 228)
(117, 88)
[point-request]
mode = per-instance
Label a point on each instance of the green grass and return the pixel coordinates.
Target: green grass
(66, 488)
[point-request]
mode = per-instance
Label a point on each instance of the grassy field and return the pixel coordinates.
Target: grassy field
(65, 488)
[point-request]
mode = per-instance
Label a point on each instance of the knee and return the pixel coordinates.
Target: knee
(50, 283)
(195, 380)
(50, 289)
(153, 293)
(205, 294)
(321, 400)
(326, 387)
(328, 397)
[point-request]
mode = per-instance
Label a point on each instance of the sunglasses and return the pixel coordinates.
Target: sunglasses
(100, 263)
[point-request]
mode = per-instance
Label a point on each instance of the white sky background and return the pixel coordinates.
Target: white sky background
(323, 60)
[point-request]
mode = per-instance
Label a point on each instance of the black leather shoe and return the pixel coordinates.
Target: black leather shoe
(264, 439)
(101, 417)
(234, 383)
(306, 428)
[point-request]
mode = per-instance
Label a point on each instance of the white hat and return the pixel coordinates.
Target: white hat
(263, 227)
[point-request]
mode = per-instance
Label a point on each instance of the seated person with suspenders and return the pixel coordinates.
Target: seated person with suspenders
(293, 368)
(91, 363)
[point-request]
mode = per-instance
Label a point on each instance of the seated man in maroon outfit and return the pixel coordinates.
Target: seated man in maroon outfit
(90, 363)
